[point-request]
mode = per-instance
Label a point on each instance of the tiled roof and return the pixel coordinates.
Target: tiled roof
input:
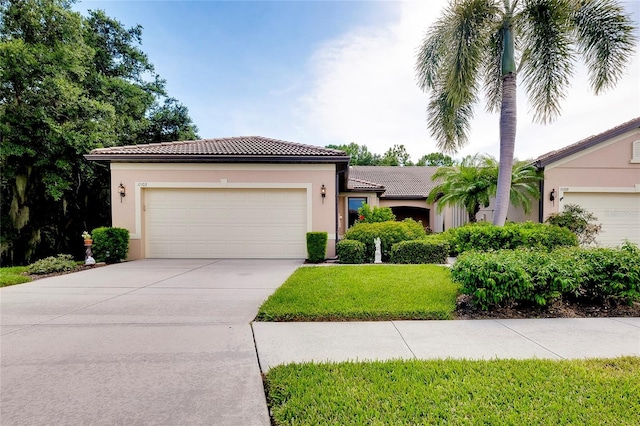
(250, 146)
(553, 156)
(399, 182)
(363, 185)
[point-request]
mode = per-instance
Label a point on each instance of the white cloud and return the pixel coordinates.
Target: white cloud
(364, 91)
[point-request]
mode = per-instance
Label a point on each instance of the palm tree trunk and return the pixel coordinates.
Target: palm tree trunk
(508, 120)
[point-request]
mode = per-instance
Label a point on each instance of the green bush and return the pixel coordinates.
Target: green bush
(48, 265)
(420, 251)
(378, 214)
(579, 221)
(487, 237)
(317, 246)
(541, 277)
(389, 234)
(614, 274)
(110, 245)
(350, 251)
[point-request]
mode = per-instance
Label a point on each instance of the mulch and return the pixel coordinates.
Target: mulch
(78, 268)
(559, 309)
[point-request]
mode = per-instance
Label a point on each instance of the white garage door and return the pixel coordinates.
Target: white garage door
(619, 214)
(226, 223)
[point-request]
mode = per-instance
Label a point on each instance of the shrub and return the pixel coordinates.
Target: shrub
(577, 220)
(317, 246)
(378, 214)
(541, 277)
(48, 265)
(487, 237)
(110, 245)
(420, 251)
(350, 251)
(613, 274)
(389, 234)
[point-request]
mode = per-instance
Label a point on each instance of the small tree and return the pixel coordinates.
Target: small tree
(378, 214)
(579, 221)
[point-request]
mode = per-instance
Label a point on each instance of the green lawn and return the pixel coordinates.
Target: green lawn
(452, 392)
(13, 275)
(366, 292)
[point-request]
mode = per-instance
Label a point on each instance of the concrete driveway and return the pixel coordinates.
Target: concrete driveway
(153, 342)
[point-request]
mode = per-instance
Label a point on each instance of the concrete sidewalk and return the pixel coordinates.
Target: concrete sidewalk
(561, 338)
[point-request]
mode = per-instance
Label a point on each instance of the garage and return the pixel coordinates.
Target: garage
(225, 223)
(619, 214)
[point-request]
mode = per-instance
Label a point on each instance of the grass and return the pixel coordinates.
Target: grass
(367, 292)
(13, 275)
(457, 392)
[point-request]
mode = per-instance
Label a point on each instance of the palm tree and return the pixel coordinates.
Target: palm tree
(468, 184)
(475, 181)
(524, 182)
(478, 43)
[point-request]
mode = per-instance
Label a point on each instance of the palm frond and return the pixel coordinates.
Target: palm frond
(493, 71)
(605, 37)
(449, 63)
(430, 55)
(545, 30)
(449, 123)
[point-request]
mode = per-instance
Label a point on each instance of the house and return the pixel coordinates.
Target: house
(403, 189)
(249, 197)
(255, 197)
(602, 174)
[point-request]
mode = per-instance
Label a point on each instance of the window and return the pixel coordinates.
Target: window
(635, 158)
(354, 204)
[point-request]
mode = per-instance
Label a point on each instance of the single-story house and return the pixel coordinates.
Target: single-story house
(237, 197)
(403, 189)
(255, 197)
(602, 174)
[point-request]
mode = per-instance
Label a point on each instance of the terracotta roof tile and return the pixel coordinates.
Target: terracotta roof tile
(233, 146)
(363, 185)
(399, 182)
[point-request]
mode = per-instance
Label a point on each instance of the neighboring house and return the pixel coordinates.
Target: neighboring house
(601, 174)
(240, 197)
(255, 197)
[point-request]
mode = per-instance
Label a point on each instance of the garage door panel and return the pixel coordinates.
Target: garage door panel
(252, 223)
(619, 214)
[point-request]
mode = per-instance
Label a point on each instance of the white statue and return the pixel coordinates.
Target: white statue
(378, 258)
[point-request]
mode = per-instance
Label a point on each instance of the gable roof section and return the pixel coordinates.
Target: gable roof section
(410, 182)
(241, 149)
(553, 156)
(363, 185)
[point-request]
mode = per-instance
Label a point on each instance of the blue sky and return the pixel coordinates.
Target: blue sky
(322, 72)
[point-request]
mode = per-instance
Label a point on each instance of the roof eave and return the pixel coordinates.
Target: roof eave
(199, 158)
(632, 125)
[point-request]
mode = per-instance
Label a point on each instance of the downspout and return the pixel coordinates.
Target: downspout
(337, 200)
(541, 200)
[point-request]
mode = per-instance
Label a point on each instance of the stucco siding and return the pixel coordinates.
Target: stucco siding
(128, 212)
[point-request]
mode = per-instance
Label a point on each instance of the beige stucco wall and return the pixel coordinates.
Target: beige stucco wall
(372, 201)
(606, 167)
(514, 214)
(128, 212)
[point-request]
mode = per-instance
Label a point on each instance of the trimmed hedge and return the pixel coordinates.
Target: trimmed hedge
(542, 277)
(110, 245)
(420, 251)
(389, 234)
(317, 246)
(484, 236)
(350, 251)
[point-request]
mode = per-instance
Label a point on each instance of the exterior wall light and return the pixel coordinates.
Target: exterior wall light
(323, 192)
(122, 191)
(552, 195)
